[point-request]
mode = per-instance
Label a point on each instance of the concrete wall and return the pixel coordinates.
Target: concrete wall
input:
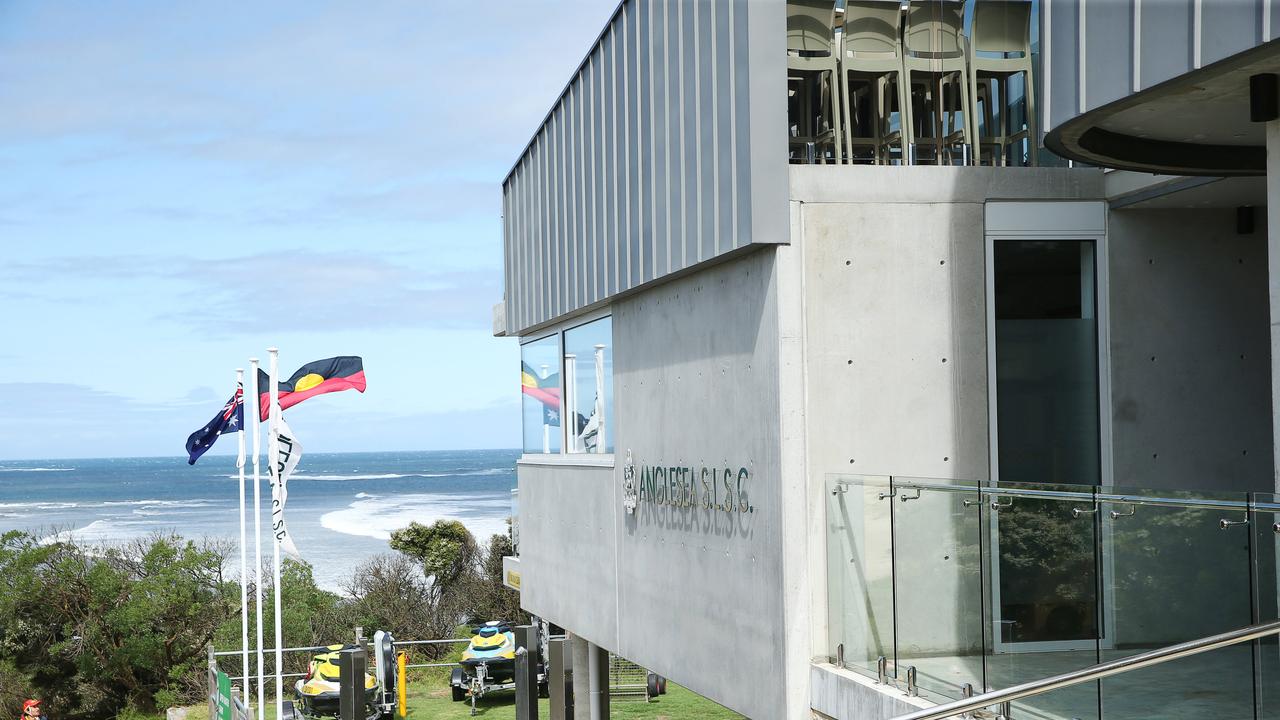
(1190, 352)
(702, 591)
(1191, 410)
(841, 694)
(698, 593)
(568, 545)
(895, 356)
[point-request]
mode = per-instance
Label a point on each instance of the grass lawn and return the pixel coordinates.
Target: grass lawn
(429, 700)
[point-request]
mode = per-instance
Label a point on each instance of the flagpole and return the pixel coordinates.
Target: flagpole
(273, 448)
(601, 440)
(244, 560)
(546, 427)
(257, 524)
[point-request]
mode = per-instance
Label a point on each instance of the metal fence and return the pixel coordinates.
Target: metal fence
(216, 655)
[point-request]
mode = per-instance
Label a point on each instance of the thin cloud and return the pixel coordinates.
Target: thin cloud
(296, 289)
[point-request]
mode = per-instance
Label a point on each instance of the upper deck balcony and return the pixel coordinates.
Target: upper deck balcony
(670, 144)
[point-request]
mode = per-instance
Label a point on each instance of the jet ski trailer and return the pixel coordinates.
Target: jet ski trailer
(489, 665)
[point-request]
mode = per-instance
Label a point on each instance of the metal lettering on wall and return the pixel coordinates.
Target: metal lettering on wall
(703, 487)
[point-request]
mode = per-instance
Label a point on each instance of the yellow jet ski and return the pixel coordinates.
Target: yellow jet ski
(317, 693)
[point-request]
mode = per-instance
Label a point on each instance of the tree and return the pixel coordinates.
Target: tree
(390, 593)
(95, 632)
(445, 548)
(466, 580)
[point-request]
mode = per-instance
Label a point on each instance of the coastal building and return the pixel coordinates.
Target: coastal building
(875, 354)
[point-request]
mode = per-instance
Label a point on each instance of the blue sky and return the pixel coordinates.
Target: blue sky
(183, 185)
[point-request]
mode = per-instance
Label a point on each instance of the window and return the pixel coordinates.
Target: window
(588, 382)
(540, 388)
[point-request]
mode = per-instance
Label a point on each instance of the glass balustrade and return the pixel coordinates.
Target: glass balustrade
(1264, 534)
(979, 586)
(860, 571)
(938, 585)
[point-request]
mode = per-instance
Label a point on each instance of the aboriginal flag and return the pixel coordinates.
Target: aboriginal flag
(315, 378)
(543, 389)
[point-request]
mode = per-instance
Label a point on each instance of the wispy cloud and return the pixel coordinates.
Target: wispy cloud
(298, 289)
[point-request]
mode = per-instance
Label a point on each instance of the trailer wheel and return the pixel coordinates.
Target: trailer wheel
(456, 682)
(662, 685)
(651, 685)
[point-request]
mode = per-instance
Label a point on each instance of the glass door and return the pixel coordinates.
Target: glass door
(1044, 345)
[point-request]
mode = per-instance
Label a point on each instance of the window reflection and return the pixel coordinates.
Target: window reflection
(588, 402)
(540, 390)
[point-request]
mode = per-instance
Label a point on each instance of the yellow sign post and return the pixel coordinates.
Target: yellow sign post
(402, 680)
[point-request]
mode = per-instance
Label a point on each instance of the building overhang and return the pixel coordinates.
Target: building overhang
(1194, 124)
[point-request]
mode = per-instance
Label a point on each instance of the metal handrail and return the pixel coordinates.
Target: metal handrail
(1100, 495)
(1095, 672)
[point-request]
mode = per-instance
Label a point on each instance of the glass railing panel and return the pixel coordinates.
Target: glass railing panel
(860, 570)
(938, 586)
(1178, 568)
(1266, 550)
(1043, 604)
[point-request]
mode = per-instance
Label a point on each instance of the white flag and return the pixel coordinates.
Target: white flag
(288, 452)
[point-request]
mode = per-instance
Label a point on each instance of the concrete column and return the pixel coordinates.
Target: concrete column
(581, 678)
(598, 672)
(1273, 283)
(527, 647)
(559, 672)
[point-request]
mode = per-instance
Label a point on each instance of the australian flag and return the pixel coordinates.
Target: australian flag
(551, 416)
(229, 419)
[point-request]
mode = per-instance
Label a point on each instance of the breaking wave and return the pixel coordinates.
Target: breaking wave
(378, 517)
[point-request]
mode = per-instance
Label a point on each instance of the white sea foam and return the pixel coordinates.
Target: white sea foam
(36, 469)
(196, 503)
(375, 517)
(467, 473)
(39, 506)
(103, 531)
(391, 476)
(385, 476)
(365, 496)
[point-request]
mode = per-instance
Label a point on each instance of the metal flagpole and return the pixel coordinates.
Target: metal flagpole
(546, 428)
(601, 441)
(273, 448)
(244, 552)
(257, 523)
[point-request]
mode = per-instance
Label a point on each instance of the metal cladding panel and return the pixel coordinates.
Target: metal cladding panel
(1125, 46)
(1064, 61)
(1166, 40)
(1109, 67)
(1230, 27)
(665, 150)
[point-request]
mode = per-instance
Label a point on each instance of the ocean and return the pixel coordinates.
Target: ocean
(341, 511)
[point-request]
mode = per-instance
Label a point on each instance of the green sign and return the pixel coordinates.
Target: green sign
(223, 700)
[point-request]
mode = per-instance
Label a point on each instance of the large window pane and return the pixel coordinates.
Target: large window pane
(588, 364)
(540, 387)
(1046, 345)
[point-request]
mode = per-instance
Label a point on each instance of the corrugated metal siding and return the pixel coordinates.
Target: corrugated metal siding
(645, 166)
(1170, 33)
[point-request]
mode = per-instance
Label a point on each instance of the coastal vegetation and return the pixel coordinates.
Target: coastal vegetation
(100, 632)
